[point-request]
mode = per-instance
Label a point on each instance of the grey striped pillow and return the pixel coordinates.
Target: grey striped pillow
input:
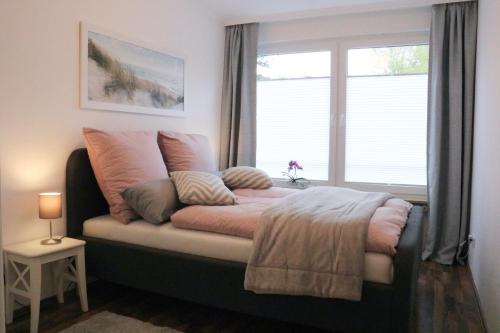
(202, 188)
(246, 177)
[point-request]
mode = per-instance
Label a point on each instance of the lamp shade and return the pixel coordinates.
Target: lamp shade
(49, 206)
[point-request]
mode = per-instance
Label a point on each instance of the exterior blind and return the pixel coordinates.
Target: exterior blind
(293, 123)
(293, 113)
(386, 129)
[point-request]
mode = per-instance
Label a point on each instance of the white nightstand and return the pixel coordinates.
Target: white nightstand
(23, 271)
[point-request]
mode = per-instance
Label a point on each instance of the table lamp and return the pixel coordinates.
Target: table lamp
(49, 208)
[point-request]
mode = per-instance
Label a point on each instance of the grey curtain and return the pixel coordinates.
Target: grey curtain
(450, 130)
(238, 114)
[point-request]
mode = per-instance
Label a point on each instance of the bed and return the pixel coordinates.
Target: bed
(197, 266)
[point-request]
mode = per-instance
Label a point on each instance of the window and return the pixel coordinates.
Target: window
(386, 115)
(293, 113)
(378, 136)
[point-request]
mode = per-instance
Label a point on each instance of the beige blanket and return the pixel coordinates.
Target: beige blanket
(313, 243)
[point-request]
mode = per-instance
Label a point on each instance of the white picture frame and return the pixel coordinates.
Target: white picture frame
(129, 75)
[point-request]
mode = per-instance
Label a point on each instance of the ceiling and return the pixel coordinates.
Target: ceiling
(241, 11)
(242, 8)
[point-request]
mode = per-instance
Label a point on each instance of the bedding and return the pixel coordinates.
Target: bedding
(238, 220)
(272, 192)
(246, 177)
(155, 201)
(313, 243)
(378, 267)
(202, 188)
(241, 220)
(122, 159)
(186, 152)
(386, 225)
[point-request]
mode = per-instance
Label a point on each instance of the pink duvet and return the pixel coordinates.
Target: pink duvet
(240, 220)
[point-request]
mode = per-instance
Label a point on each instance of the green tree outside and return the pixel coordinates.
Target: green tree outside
(405, 60)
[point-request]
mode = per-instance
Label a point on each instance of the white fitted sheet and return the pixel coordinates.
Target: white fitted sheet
(378, 267)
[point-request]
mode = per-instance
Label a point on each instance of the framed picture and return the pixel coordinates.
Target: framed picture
(118, 74)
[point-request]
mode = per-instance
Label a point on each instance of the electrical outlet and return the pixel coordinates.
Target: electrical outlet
(471, 240)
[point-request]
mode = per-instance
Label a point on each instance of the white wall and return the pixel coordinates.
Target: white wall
(40, 119)
(485, 219)
(385, 22)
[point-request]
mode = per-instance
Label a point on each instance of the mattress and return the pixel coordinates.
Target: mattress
(378, 267)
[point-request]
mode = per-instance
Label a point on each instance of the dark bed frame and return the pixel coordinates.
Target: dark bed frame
(219, 283)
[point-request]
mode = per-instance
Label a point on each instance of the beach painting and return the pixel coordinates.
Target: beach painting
(121, 75)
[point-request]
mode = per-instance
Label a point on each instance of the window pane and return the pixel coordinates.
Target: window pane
(386, 126)
(293, 65)
(388, 60)
(293, 116)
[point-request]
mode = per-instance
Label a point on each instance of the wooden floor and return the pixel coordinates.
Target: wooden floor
(445, 303)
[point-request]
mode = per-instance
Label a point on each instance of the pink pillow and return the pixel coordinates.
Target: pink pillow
(186, 152)
(122, 159)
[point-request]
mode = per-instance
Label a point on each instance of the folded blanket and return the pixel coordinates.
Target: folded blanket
(313, 243)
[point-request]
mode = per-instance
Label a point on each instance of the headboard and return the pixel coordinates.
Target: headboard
(84, 198)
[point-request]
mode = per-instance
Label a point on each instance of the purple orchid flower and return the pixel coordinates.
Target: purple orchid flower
(293, 166)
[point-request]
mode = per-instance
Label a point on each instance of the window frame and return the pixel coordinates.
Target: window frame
(338, 49)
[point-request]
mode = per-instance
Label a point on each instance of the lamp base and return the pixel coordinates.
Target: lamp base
(50, 241)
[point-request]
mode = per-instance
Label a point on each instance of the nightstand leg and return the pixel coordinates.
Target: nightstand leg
(9, 296)
(35, 291)
(82, 281)
(57, 277)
